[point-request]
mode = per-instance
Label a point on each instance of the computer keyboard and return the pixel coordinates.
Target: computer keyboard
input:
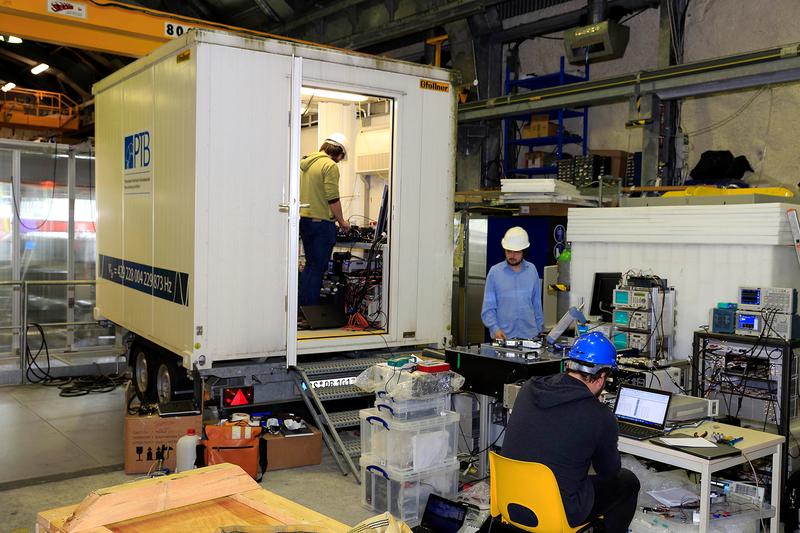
(637, 432)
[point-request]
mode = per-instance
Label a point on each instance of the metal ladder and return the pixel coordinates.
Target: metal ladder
(331, 423)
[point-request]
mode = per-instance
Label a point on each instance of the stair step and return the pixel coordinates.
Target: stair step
(340, 366)
(339, 392)
(352, 447)
(345, 419)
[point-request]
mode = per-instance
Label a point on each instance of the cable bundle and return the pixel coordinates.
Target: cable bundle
(70, 386)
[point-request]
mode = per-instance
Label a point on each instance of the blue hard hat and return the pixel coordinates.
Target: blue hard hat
(592, 352)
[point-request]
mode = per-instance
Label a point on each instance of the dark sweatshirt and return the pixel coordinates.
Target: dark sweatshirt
(557, 421)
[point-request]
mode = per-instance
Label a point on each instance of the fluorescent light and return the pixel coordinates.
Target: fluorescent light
(41, 67)
(334, 95)
(11, 39)
(8, 86)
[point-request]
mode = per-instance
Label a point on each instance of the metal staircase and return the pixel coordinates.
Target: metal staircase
(333, 423)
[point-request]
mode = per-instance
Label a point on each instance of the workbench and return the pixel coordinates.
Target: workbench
(754, 445)
(197, 501)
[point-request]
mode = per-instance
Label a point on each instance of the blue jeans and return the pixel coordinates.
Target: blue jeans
(318, 237)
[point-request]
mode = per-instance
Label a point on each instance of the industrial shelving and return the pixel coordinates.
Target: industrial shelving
(511, 124)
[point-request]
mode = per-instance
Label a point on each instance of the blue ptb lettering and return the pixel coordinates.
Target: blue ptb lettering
(137, 150)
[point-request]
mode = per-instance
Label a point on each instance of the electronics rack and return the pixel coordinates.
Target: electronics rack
(758, 373)
(644, 317)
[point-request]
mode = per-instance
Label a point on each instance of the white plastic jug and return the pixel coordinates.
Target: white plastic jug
(186, 452)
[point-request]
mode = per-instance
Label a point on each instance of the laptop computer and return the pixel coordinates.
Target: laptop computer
(324, 316)
(441, 516)
(641, 412)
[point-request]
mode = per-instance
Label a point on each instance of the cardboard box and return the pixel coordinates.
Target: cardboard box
(146, 436)
(539, 128)
(619, 160)
(537, 158)
(291, 452)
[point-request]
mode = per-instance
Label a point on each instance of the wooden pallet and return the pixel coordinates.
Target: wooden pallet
(198, 501)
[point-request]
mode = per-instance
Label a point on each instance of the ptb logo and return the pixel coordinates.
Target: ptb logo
(137, 150)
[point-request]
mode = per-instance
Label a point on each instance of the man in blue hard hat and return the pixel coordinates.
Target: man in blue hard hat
(559, 421)
(512, 298)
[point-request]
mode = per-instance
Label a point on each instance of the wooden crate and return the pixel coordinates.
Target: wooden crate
(197, 501)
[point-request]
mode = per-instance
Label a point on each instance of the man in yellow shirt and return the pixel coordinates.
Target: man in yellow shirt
(319, 188)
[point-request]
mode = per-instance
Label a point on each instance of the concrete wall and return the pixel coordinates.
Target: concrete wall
(763, 131)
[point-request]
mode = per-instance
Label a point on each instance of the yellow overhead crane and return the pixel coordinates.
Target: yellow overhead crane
(102, 26)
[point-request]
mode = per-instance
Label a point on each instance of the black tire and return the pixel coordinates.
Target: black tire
(171, 380)
(143, 363)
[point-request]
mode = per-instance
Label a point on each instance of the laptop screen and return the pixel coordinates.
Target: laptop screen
(442, 515)
(642, 406)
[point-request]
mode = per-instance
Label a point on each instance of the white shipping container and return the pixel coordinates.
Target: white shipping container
(198, 149)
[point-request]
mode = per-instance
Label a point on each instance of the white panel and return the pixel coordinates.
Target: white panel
(734, 224)
(137, 208)
(436, 186)
(242, 163)
(173, 142)
(703, 272)
(108, 165)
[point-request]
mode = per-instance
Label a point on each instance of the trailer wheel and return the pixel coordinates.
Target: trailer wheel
(165, 381)
(171, 380)
(143, 373)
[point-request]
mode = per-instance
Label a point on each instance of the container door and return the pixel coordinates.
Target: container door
(293, 209)
(248, 168)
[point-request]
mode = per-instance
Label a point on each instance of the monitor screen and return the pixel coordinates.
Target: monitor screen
(442, 515)
(603, 294)
(750, 296)
(642, 406)
(749, 322)
(381, 225)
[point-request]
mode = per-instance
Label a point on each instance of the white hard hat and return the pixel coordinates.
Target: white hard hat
(516, 239)
(339, 139)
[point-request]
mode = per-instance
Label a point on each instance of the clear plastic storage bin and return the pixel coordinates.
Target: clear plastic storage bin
(408, 445)
(404, 495)
(411, 409)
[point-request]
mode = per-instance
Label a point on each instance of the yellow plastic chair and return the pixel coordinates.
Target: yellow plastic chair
(526, 496)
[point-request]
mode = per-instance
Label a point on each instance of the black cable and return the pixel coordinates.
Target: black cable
(633, 16)
(492, 444)
(69, 386)
(18, 205)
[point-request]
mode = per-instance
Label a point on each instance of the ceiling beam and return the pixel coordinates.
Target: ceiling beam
(332, 9)
(106, 26)
(431, 18)
(724, 74)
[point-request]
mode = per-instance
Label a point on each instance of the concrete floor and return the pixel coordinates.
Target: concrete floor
(50, 444)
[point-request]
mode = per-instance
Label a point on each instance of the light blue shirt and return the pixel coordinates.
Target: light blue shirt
(512, 301)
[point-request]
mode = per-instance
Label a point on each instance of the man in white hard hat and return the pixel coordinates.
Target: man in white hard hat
(319, 188)
(512, 299)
